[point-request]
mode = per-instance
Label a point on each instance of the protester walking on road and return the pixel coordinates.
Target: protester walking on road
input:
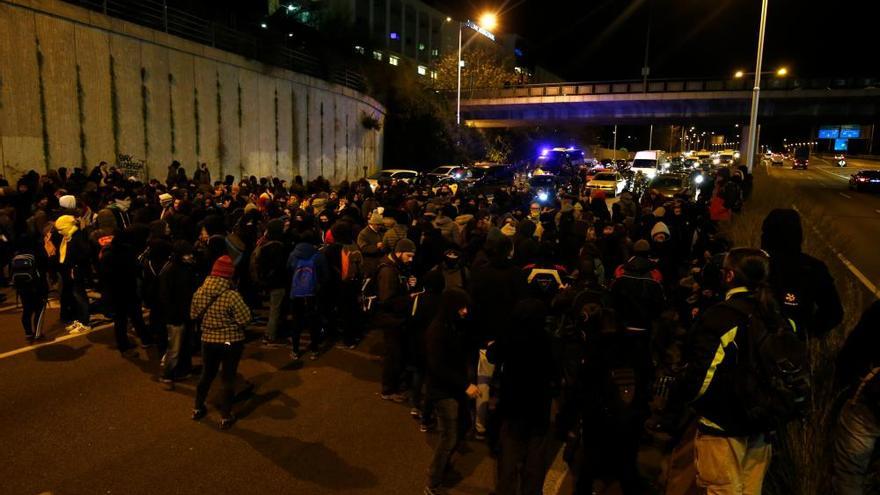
(177, 283)
(449, 386)
(393, 287)
(223, 314)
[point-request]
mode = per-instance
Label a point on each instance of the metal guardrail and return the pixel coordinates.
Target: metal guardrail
(158, 15)
(666, 86)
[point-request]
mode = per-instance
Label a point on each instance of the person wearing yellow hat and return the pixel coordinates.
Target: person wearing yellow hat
(73, 259)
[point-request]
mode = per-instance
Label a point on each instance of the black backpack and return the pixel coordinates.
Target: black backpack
(772, 376)
(732, 196)
(24, 271)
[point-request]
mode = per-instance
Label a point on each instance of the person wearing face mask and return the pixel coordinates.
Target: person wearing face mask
(394, 285)
(453, 269)
(73, 254)
(177, 284)
(119, 208)
(448, 384)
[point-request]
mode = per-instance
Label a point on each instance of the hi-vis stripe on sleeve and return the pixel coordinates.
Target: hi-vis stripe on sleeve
(793, 325)
(726, 339)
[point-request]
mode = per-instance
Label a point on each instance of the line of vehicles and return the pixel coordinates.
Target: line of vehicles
(569, 171)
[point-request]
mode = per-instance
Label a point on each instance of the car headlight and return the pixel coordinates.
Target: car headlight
(716, 161)
(652, 173)
(698, 179)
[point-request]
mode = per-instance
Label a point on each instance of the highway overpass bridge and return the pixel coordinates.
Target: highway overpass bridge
(795, 101)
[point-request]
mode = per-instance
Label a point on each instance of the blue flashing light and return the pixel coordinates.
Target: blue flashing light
(543, 196)
(394, 36)
(545, 151)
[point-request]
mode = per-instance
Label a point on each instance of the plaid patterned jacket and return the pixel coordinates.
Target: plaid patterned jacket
(222, 310)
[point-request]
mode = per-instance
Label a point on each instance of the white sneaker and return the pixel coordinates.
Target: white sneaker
(74, 327)
(84, 328)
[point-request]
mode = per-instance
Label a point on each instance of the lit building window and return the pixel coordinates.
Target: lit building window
(377, 55)
(422, 70)
(434, 75)
(393, 60)
(359, 49)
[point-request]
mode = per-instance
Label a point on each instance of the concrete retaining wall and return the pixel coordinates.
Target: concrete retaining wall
(78, 87)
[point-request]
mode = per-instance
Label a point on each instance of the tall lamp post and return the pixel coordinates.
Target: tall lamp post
(753, 115)
(488, 22)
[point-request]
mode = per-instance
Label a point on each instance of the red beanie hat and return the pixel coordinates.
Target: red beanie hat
(223, 267)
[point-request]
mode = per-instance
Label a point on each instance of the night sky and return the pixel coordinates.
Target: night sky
(605, 39)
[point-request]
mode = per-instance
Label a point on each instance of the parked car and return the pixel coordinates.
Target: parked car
(612, 183)
(670, 185)
(448, 171)
(391, 175)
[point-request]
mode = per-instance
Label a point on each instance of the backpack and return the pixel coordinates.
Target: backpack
(24, 271)
(623, 391)
(772, 374)
(732, 196)
(350, 263)
(305, 279)
(256, 270)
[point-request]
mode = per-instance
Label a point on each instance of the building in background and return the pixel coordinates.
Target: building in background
(408, 33)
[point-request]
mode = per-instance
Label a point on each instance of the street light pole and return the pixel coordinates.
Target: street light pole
(458, 99)
(756, 91)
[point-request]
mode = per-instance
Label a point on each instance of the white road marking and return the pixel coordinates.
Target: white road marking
(847, 196)
(62, 338)
(843, 259)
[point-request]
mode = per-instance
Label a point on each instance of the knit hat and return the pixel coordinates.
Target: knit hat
(405, 246)
(660, 212)
(376, 219)
(660, 228)
(641, 247)
(67, 202)
(223, 267)
(165, 200)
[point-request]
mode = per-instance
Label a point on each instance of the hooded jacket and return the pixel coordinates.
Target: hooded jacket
(802, 284)
(524, 352)
(450, 230)
(447, 364)
(636, 294)
(177, 284)
(305, 251)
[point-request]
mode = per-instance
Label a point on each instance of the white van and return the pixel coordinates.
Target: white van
(648, 163)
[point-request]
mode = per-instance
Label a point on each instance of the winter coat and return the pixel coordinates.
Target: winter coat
(637, 295)
(367, 240)
(524, 356)
(450, 230)
(177, 284)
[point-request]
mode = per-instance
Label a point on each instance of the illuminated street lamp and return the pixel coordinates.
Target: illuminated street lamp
(488, 22)
(782, 72)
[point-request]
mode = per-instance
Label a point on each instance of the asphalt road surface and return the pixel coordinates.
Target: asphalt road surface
(855, 216)
(77, 418)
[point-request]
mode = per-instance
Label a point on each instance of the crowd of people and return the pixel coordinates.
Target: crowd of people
(642, 321)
